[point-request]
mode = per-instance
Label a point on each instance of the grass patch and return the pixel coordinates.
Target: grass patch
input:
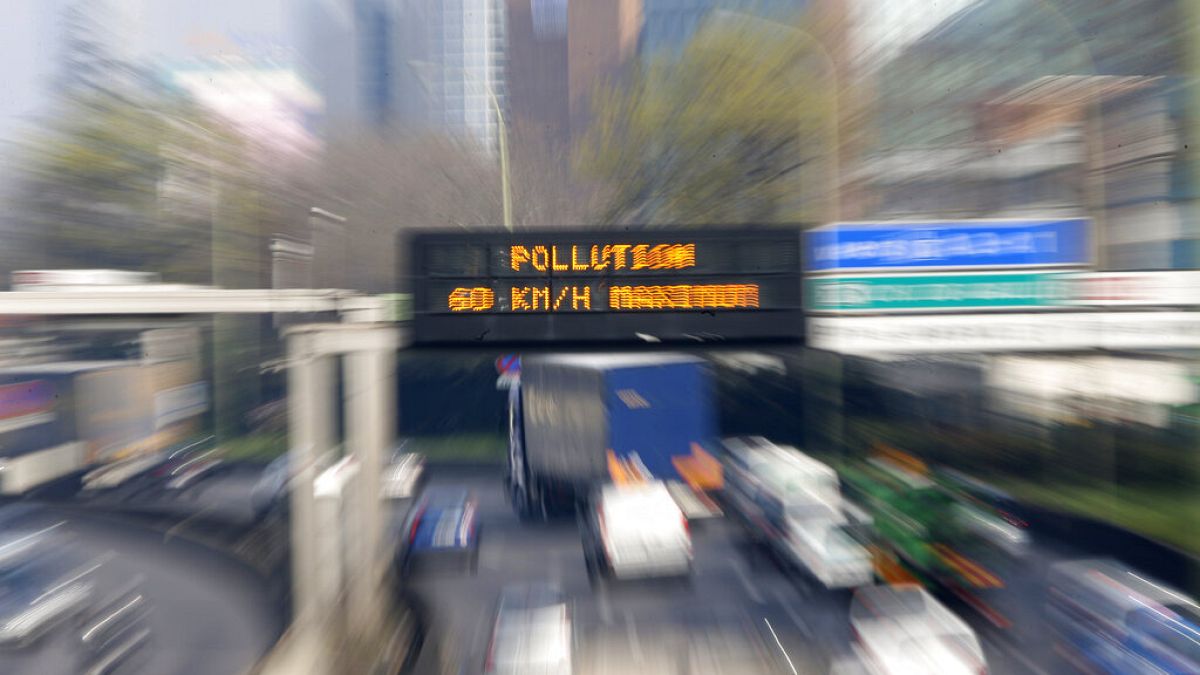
(262, 447)
(1165, 514)
(479, 447)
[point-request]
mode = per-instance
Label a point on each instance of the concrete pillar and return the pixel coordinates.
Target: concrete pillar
(370, 431)
(310, 435)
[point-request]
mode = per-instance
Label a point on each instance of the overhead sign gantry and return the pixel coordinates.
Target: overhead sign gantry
(588, 286)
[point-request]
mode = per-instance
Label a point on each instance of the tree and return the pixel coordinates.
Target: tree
(731, 132)
(145, 181)
(392, 181)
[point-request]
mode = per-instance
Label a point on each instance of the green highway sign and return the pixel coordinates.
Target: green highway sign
(937, 292)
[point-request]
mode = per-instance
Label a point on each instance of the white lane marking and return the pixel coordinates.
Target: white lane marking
(780, 645)
(800, 623)
(631, 631)
(751, 589)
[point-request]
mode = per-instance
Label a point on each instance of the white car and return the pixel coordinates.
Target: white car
(903, 630)
(829, 553)
(532, 634)
(402, 476)
(636, 531)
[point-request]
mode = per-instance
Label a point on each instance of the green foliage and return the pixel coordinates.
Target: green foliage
(142, 182)
(262, 447)
(474, 447)
(1168, 515)
(729, 133)
(90, 189)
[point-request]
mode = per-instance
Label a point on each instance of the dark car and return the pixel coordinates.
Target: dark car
(39, 584)
(442, 528)
(1106, 618)
(115, 632)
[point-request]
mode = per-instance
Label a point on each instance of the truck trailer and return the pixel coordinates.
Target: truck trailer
(60, 418)
(581, 420)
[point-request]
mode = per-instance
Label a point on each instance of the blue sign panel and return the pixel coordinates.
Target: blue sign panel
(948, 244)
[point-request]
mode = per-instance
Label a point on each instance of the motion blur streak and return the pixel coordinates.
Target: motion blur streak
(599, 336)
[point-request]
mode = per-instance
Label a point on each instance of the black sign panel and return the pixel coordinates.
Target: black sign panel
(587, 286)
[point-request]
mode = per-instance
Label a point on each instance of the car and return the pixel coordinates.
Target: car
(403, 476)
(532, 633)
(116, 629)
(829, 553)
(636, 531)
(41, 584)
(1107, 618)
(270, 491)
(903, 630)
(443, 526)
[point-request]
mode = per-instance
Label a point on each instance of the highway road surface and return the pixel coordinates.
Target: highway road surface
(648, 627)
(209, 615)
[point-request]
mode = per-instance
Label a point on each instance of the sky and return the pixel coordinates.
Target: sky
(887, 26)
(173, 31)
(167, 31)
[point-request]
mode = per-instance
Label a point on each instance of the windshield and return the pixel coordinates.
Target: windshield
(888, 602)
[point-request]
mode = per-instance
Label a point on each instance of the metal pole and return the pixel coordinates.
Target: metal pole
(504, 182)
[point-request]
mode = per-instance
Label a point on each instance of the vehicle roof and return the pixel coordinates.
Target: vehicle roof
(617, 360)
(636, 491)
(757, 451)
(1091, 573)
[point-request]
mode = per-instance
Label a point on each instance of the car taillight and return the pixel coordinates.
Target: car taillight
(687, 529)
(490, 664)
(412, 533)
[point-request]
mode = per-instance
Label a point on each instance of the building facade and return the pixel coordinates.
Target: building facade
(1006, 111)
(537, 69)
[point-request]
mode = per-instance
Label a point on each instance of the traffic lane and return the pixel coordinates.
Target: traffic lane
(811, 623)
(209, 615)
(222, 494)
(1026, 646)
(807, 626)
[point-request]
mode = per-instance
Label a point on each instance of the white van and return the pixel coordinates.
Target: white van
(636, 531)
(793, 503)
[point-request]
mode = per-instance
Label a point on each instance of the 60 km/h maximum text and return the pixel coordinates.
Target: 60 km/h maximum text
(580, 298)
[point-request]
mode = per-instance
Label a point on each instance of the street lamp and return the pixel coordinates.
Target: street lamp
(505, 187)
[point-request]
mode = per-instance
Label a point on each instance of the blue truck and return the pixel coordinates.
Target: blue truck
(580, 420)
